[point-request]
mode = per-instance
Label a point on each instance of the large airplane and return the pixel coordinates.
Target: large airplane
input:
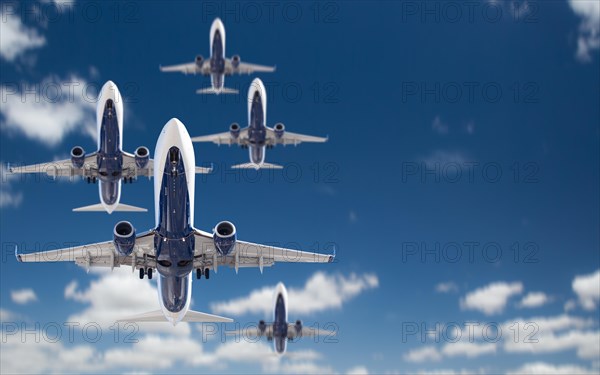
(109, 165)
(217, 66)
(281, 331)
(257, 136)
(174, 247)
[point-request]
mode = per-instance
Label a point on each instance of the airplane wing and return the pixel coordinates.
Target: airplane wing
(291, 138)
(292, 333)
(61, 168)
(248, 254)
(190, 68)
(246, 68)
(130, 168)
(102, 254)
(251, 331)
(224, 138)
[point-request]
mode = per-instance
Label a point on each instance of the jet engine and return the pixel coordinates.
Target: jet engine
(142, 155)
(234, 130)
(224, 236)
(298, 327)
(77, 156)
(279, 130)
(124, 238)
(262, 326)
(199, 60)
(235, 61)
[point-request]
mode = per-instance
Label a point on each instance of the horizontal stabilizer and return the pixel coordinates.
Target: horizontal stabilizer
(212, 90)
(257, 166)
(120, 208)
(191, 316)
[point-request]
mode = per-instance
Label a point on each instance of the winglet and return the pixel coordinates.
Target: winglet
(332, 256)
(17, 255)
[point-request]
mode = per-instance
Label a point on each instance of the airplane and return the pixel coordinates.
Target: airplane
(281, 331)
(109, 165)
(257, 137)
(174, 248)
(217, 66)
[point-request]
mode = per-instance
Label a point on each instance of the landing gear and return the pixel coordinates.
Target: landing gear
(94, 179)
(149, 272)
(142, 272)
(207, 273)
(89, 180)
(199, 273)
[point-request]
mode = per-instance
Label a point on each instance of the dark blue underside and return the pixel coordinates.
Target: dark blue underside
(174, 238)
(280, 325)
(257, 130)
(109, 157)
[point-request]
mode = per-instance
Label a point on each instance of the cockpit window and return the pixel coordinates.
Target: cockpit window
(173, 155)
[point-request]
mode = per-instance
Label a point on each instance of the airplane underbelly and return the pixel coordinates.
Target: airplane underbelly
(173, 293)
(109, 192)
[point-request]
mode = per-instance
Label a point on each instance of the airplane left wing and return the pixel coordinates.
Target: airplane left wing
(224, 138)
(190, 68)
(291, 138)
(61, 168)
(246, 68)
(102, 254)
(248, 254)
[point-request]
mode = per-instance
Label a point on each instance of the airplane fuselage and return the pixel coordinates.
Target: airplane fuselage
(109, 157)
(257, 128)
(217, 55)
(280, 325)
(174, 233)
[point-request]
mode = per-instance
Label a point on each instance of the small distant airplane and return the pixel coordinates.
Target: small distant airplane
(109, 164)
(257, 137)
(174, 247)
(217, 66)
(281, 331)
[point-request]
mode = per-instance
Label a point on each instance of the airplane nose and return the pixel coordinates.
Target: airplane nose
(109, 91)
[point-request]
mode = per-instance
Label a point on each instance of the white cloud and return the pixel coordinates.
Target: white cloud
(119, 294)
(23, 296)
(587, 288)
(589, 28)
(424, 354)
(358, 370)
(440, 159)
(541, 368)
(6, 315)
(49, 110)
(438, 126)
(8, 197)
(447, 287)
(468, 349)
(491, 299)
(534, 299)
(16, 38)
(321, 292)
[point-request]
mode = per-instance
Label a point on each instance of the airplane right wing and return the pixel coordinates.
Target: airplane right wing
(61, 168)
(292, 333)
(289, 138)
(224, 138)
(248, 254)
(190, 68)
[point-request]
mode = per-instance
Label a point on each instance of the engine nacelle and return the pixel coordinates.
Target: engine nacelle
(224, 236)
(124, 238)
(235, 61)
(142, 155)
(298, 327)
(77, 156)
(262, 326)
(279, 130)
(234, 130)
(199, 61)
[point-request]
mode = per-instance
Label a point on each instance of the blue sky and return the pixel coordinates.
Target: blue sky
(459, 184)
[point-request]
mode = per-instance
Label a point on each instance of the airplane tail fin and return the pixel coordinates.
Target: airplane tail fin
(190, 316)
(211, 90)
(256, 166)
(204, 170)
(99, 207)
